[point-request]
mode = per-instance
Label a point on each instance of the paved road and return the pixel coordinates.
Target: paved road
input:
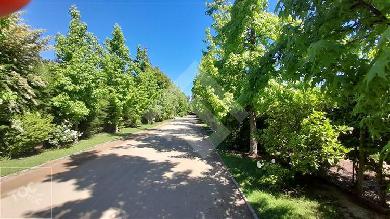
(167, 172)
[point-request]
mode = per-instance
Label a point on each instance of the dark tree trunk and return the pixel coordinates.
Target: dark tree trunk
(381, 182)
(112, 128)
(355, 151)
(361, 162)
(353, 171)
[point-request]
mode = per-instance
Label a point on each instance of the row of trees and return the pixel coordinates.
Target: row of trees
(314, 79)
(89, 88)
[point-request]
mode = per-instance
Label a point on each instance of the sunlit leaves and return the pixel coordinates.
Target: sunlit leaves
(344, 46)
(20, 79)
(298, 131)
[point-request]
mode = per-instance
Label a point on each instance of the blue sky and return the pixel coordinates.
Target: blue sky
(172, 30)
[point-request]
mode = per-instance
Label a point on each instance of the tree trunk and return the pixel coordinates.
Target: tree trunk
(353, 171)
(252, 137)
(112, 128)
(361, 162)
(381, 182)
(354, 164)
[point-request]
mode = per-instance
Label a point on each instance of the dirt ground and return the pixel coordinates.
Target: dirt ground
(342, 175)
(348, 205)
(167, 172)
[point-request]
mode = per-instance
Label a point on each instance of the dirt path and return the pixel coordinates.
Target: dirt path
(169, 172)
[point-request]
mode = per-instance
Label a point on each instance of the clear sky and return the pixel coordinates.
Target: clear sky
(172, 30)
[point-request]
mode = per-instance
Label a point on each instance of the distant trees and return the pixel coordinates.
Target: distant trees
(87, 89)
(304, 76)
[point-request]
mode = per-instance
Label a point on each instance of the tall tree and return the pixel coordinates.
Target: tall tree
(244, 32)
(75, 88)
(119, 82)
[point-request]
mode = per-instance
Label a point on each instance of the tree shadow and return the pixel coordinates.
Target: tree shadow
(184, 136)
(124, 185)
(272, 211)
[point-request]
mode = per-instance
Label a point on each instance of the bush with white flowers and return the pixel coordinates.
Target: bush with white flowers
(63, 136)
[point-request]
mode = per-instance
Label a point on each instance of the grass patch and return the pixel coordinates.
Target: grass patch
(270, 203)
(16, 165)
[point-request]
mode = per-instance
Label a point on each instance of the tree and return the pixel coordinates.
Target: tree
(142, 59)
(354, 35)
(88, 88)
(75, 86)
(244, 33)
(119, 82)
(20, 84)
(20, 62)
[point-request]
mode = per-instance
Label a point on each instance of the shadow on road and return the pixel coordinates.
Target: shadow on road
(155, 175)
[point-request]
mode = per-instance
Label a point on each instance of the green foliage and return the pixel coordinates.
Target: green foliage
(20, 81)
(320, 136)
(142, 59)
(276, 202)
(242, 35)
(241, 57)
(89, 87)
(339, 53)
(170, 103)
(355, 37)
(20, 87)
(119, 82)
(297, 131)
(25, 133)
(147, 89)
(66, 108)
(75, 83)
(20, 60)
(273, 176)
(208, 97)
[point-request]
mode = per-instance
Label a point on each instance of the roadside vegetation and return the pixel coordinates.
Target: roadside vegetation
(313, 80)
(10, 166)
(264, 189)
(87, 89)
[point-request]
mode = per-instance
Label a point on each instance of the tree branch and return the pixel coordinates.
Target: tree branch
(371, 8)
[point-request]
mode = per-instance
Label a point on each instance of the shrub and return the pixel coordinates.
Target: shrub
(25, 133)
(149, 115)
(318, 143)
(274, 176)
(297, 131)
(131, 118)
(62, 135)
